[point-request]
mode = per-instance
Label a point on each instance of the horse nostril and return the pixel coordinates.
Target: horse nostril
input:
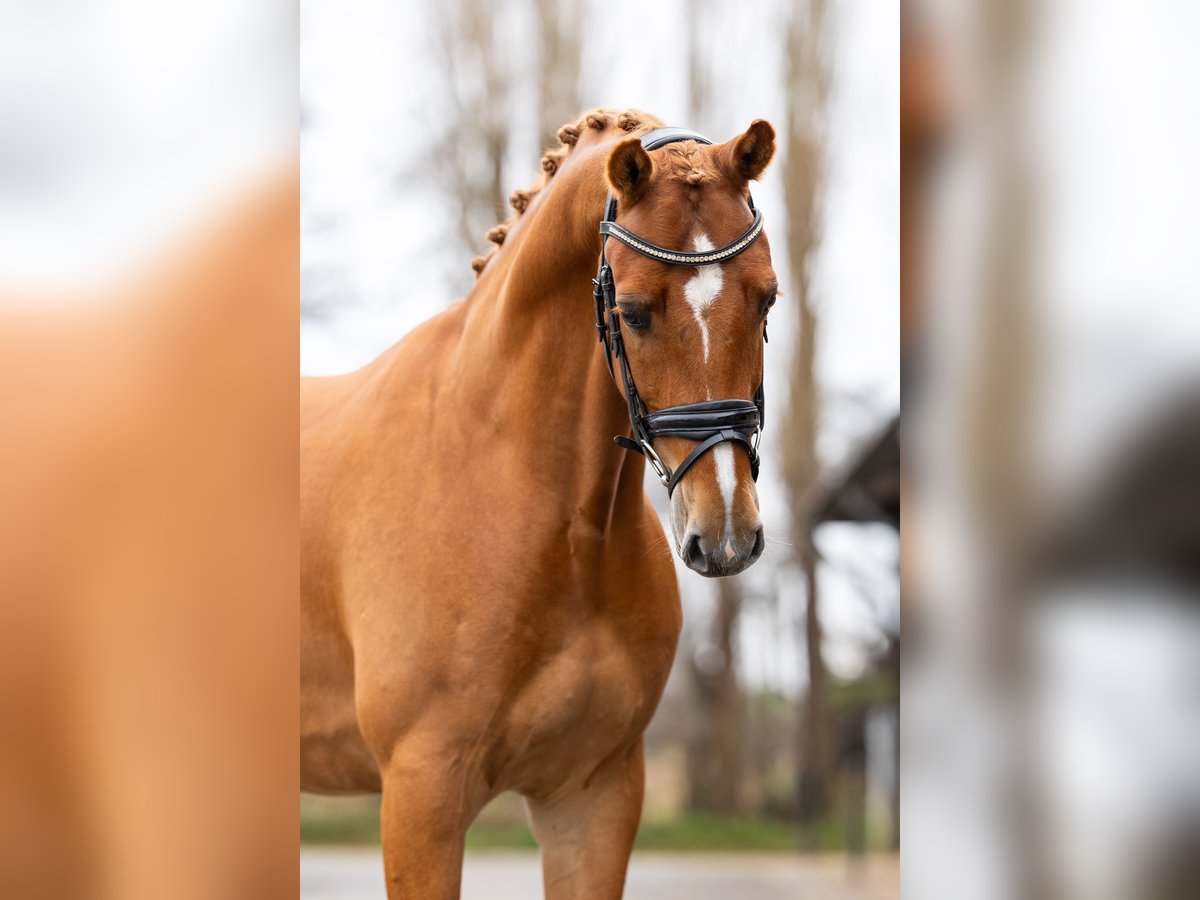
(760, 544)
(693, 554)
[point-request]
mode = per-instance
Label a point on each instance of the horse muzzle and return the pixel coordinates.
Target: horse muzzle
(722, 556)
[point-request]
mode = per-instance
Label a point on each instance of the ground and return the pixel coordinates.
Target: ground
(345, 874)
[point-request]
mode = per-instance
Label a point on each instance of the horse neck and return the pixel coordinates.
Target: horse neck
(535, 362)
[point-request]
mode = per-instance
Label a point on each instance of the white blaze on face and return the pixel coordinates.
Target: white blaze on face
(727, 480)
(703, 289)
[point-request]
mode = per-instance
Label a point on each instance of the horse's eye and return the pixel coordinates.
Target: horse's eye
(768, 301)
(635, 317)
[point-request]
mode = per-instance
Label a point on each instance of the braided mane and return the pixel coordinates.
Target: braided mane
(598, 121)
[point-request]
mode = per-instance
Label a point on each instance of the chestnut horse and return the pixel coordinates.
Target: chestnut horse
(488, 602)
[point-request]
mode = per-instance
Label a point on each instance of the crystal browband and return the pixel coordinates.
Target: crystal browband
(681, 258)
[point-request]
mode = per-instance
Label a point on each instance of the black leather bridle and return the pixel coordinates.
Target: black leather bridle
(711, 422)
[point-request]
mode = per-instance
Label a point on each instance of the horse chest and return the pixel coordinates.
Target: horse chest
(584, 703)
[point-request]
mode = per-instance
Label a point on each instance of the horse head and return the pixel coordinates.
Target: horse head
(689, 286)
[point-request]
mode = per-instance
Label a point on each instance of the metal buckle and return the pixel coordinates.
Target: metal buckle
(657, 464)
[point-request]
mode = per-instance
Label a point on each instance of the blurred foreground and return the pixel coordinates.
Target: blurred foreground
(327, 874)
(147, 571)
(1051, 726)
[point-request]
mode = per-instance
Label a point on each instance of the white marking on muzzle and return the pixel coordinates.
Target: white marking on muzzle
(703, 288)
(727, 481)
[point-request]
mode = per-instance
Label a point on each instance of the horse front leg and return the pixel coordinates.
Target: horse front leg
(424, 816)
(587, 835)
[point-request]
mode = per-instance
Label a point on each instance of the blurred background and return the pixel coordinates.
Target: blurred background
(778, 730)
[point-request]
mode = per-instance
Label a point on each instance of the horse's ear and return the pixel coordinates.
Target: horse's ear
(749, 154)
(629, 171)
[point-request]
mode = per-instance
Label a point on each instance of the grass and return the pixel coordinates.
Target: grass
(503, 827)
(696, 831)
(692, 833)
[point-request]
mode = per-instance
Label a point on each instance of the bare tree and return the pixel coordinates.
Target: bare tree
(808, 88)
(699, 85)
(560, 28)
(479, 90)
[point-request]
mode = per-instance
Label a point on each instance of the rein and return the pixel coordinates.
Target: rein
(711, 422)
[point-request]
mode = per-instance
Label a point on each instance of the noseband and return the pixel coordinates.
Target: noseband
(711, 422)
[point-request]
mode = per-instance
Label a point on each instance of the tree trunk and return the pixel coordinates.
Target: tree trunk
(815, 771)
(807, 78)
(715, 761)
(699, 93)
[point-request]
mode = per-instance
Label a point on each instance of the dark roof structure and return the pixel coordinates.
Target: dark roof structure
(868, 490)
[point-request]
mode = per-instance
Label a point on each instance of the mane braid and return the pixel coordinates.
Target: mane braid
(599, 120)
